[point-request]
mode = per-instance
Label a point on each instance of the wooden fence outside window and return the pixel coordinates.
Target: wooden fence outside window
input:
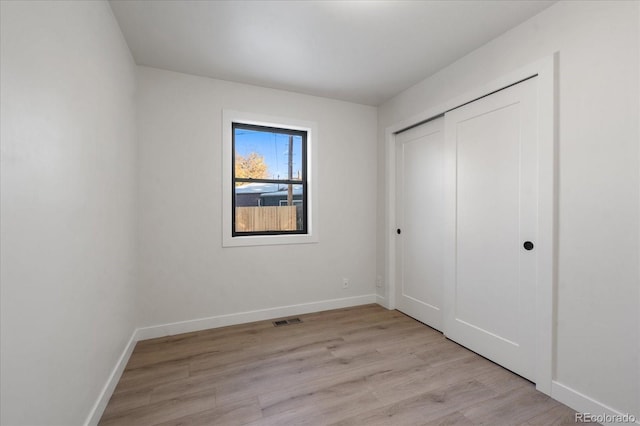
(270, 218)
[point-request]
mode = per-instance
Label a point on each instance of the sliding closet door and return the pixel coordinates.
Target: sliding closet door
(419, 201)
(491, 226)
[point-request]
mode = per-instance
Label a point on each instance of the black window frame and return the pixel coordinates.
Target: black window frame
(303, 181)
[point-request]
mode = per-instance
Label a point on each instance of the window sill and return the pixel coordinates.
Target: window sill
(268, 240)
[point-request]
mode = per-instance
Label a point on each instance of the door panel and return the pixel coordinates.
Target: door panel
(491, 146)
(420, 217)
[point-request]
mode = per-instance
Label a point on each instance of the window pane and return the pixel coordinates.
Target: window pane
(267, 164)
(267, 154)
(269, 207)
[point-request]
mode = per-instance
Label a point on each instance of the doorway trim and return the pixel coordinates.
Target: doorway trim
(546, 72)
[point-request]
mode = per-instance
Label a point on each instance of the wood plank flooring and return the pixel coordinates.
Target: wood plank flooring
(356, 366)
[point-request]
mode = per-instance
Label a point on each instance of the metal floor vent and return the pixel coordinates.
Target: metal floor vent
(289, 321)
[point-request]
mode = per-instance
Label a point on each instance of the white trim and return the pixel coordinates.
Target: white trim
(382, 301)
(228, 117)
(105, 395)
(251, 316)
(581, 402)
(390, 213)
(547, 244)
(500, 83)
(638, 311)
(545, 69)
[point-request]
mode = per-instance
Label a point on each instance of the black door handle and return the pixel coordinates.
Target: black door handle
(528, 245)
(398, 231)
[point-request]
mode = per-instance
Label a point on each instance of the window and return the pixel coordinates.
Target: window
(268, 182)
(270, 165)
(295, 202)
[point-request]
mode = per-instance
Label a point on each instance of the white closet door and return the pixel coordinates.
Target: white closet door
(491, 205)
(419, 200)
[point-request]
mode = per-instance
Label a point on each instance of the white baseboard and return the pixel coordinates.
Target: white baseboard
(250, 316)
(584, 404)
(105, 395)
(205, 323)
(382, 301)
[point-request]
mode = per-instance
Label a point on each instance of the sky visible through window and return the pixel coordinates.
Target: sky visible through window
(274, 148)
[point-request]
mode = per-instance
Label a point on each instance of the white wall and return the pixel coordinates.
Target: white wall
(598, 284)
(185, 273)
(68, 191)
(68, 207)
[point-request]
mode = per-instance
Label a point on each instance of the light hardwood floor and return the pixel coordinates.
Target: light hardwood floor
(356, 366)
